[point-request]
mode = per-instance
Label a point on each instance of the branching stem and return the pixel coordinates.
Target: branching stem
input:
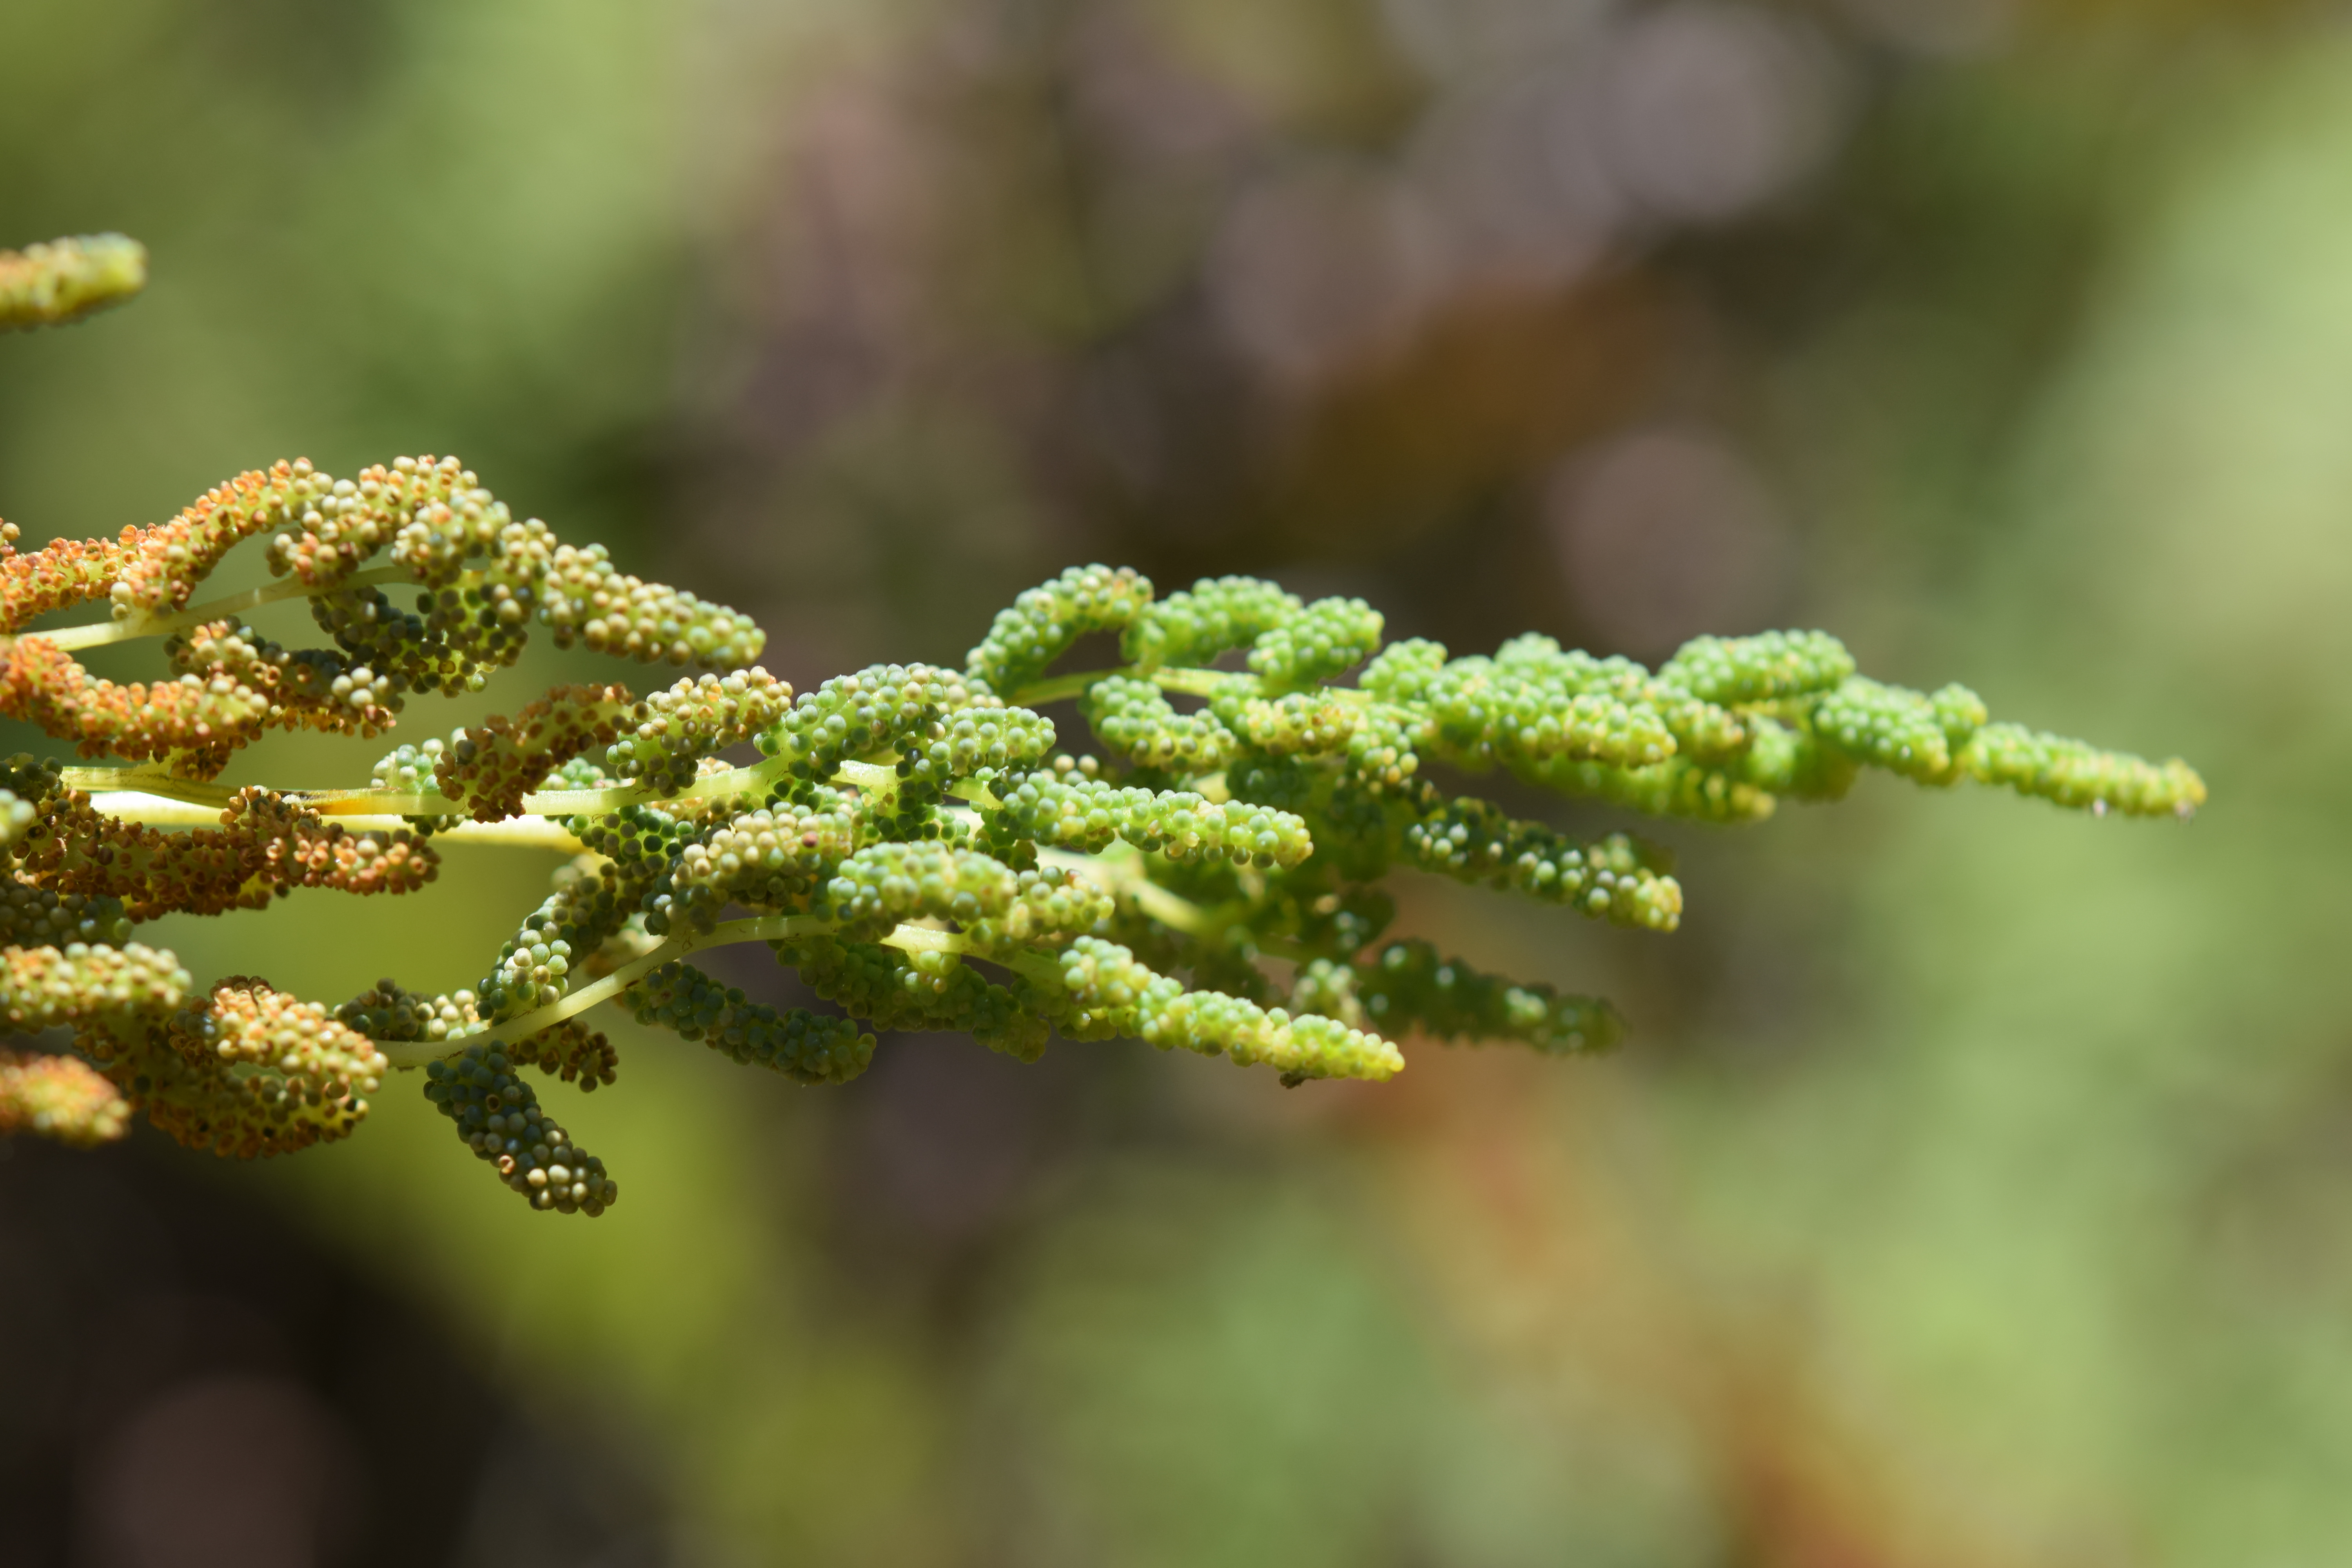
(221, 609)
(517, 832)
(148, 791)
(764, 928)
(147, 784)
(1119, 871)
(1191, 682)
(1194, 683)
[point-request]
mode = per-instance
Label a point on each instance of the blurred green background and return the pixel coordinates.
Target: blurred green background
(1976, 1188)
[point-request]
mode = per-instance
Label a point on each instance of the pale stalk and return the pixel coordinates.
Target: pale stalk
(1194, 683)
(755, 779)
(148, 783)
(520, 832)
(226, 607)
(1189, 681)
(766, 928)
(1119, 872)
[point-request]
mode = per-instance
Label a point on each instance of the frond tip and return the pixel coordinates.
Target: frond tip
(66, 280)
(60, 1098)
(498, 1117)
(247, 1072)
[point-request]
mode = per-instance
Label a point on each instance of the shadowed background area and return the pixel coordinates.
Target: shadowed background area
(1975, 1190)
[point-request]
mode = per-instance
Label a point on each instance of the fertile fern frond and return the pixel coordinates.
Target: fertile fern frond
(915, 842)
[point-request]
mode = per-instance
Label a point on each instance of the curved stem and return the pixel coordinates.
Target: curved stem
(1122, 876)
(971, 790)
(1195, 682)
(1191, 681)
(143, 789)
(764, 927)
(416, 1053)
(877, 778)
(220, 609)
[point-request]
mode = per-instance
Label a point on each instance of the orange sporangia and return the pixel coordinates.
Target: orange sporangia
(264, 848)
(501, 760)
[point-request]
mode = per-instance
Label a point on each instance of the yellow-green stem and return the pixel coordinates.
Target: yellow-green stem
(765, 928)
(1195, 682)
(517, 832)
(226, 607)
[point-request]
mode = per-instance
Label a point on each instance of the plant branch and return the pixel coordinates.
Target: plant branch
(519, 832)
(764, 927)
(223, 608)
(1195, 682)
(133, 783)
(1119, 871)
